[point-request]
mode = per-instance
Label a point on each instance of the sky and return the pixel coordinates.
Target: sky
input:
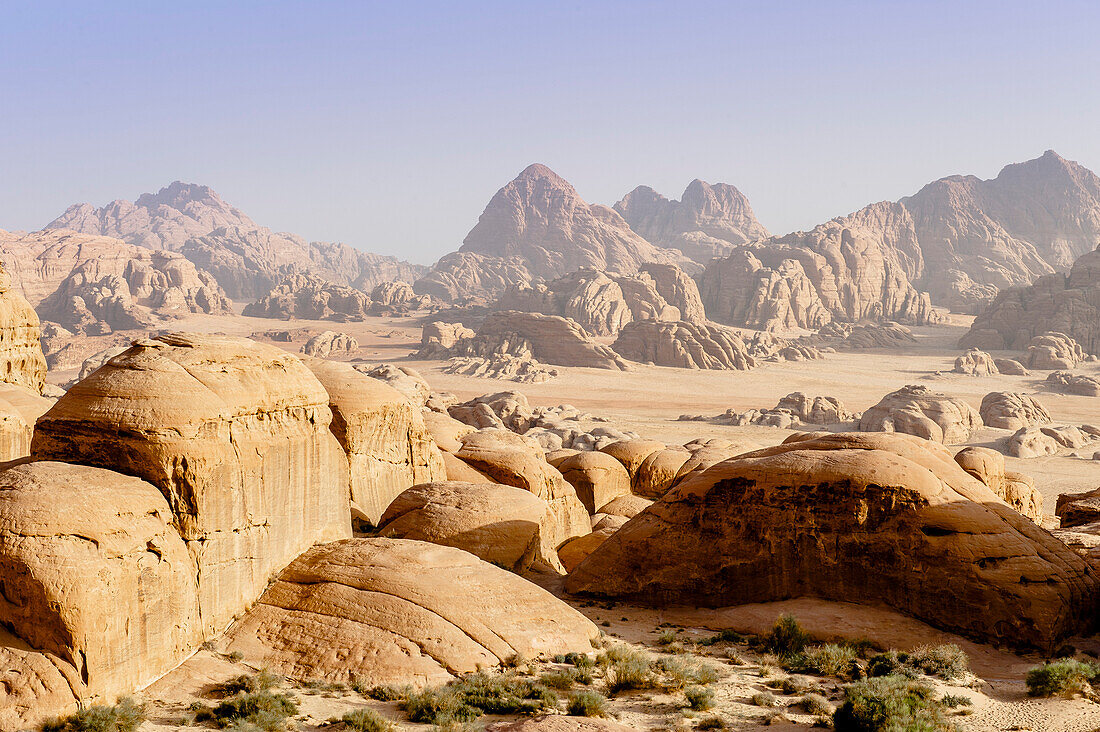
(390, 125)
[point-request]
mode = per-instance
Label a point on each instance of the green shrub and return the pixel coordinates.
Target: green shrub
(711, 722)
(385, 693)
(125, 716)
(948, 661)
(438, 706)
(560, 680)
(724, 636)
(699, 698)
(816, 705)
(263, 680)
(627, 669)
(786, 637)
(366, 720)
(466, 699)
(580, 660)
(264, 709)
(884, 664)
(679, 672)
(1064, 677)
(765, 699)
(953, 701)
(890, 704)
(666, 638)
(587, 704)
(828, 660)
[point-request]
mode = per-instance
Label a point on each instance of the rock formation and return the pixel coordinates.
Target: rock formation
(1079, 384)
(310, 298)
(860, 336)
(21, 359)
(683, 345)
(1068, 304)
(395, 611)
(397, 297)
(597, 477)
(708, 221)
(246, 259)
(1015, 489)
(388, 447)
(406, 380)
(521, 369)
(329, 344)
(802, 518)
(917, 410)
(975, 363)
(503, 525)
(236, 436)
(1053, 350)
(96, 580)
(793, 410)
(466, 276)
(1011, 411)
(1042, 440)
(20, 408)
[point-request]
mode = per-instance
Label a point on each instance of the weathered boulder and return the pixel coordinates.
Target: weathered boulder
(1053, 350)
(658, 471)
(393, 611)
(20, 408)
(547, 338)
(329, 344)
(574, 551)
(459, 470)
(1010, 411)
(1078, 509)
(506, 526)
(712, 452)
(236, 436)
(1010, 367)
(865, 518)
(632, 453)
(522, 369)
(438, 337)
(310, 298)
(390, 297)
(507, 409)
(1079, 384)
(597, 477)
(626, 506)
(814, 409)
(446, 431)
(917, 410)
(975, 363)
(95, 579)
(388, 447)
(22, 361)
(406, 380)
(1015, 489)
(683, 345)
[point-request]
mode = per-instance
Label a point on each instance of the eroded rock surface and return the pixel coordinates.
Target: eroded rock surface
(684, 345)
(917, 410)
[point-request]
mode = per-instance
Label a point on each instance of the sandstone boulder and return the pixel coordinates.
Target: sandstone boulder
(547, 338)
(626, 506)
(1078, 509)
(802, 519)
(597, 477)
(1015, 489)
(20, 408)
(520, 369)
(308, 297)
(814, 409)
(438, 338)
(21, 359)
(406, 380)
(446, 431)
(1053, 350)
(388, 447)
(1079, 384)
(1010, 367)
(632, 453)
(1011, 411)
(330, 344)
(917, 410)
(975, 363)
(683, 345)
(236, 436)
(395, 611)
(506, 526)
(459, 470)
(95, 579)
(657, 473)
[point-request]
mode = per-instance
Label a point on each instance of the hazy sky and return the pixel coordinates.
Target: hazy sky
(390, 125)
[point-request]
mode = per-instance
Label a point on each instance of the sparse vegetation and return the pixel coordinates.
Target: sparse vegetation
(711, 722)
(948, 661)
(889, 704)
(699, 698)
(466, 699)
(725, 636)
(816, 705)
(666, 638)
(785, 638)
(265, 709)
(560, 680)
(627, 669)
(677, 673)
(765, 699)
(587, 704)
(828, 660)
(125, 716)
(262, 680)
(954, 701)
(1065, 677)
(383, 693)
(366, 720)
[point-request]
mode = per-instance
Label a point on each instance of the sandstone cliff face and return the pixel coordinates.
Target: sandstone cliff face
(709, 220)
(1068, 304)
(236, 436)
(388, 447)
(311, 298)
(683, 345)
(21, 359)
(803, 518)
(95, 579)
(246, 259)
(20, 408)
(396, 611)
(464, 276)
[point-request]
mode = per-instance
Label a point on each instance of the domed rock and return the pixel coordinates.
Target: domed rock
(95, 579)
(234, 433)
(1029, 442)
(1053, 351)
(459, 470)
(865, 518)
(626, 506)
(1015, 489)
(396, 296)
(711, 453)
(1011, 411)
(1010, 367)
(329, 344)
(395, 611)
(21, 359)
(20, 408)
(388, 447)
(814, 410)
(1079, 384)
(658, 471)
(446, 430)
(506, 526)
(632, 453)
(406, 380)
(975, 363)
(310, 298)
(597, 477)
(683, 345)
(917, 410)
(574, 551)
(507, 409)
(548, 338)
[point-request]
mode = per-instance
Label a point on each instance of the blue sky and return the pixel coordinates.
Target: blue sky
(390, 125)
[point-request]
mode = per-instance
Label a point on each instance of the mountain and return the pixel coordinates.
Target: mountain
(708, 221)
(540, 221)
(246, 259)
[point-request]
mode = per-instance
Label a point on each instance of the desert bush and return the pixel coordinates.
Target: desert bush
(829, 660)
(466, 699)
(439, 706)
(560, 680)
(125, 716)
(786, 637)
(627, 669)
(262, 680)
(385, 693)
(366, 720)
(884, 664)
(666, 638)
(1064, 677)
(264, 709)
(711, 722)
(953, 701)
(699, 698)
(679, 672)
(889, 703)
(765, 699)
(816, 705)
(580, 660)
(587, 704)
(724, 636)
(948, 661)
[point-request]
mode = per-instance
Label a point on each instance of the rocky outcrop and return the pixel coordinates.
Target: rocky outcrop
(917, 410)
(232, 432)
(388, 447)
(1042, 440)
(677, 288)
(1011, 411)
(502, 525)
(95, 578)
(1015, 489)
(406, 380)
(802, 518)
(975, 363)
(1010, 367)
(1053, 350)
(1079, 384)
(310, 298)
(329, 344)
(521, 369)
(20, 408)
(397, 297)
(547, 338)
(396, 611)
(21, 359)
(438, 338)
(683, 345)
(466, 276)
(246, 259)
(597, 477)
(708, 221)
(1068, 304)
(794, 410)
(860, 336)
